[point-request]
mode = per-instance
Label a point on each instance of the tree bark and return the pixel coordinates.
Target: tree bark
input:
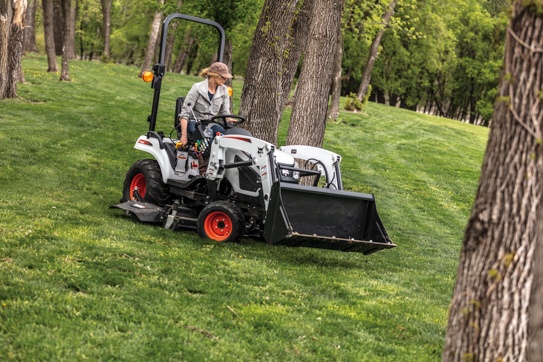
(49, 34)
(535, 324)
(106, 27)
(308, 120)
(263, 96)
(69, 37)
(295, 49)
(155, 29)
(71, 34)
(12, 15)
(58, 25)
(6, 19)
(374, 50)
(30, 28)
(333, 112)
(489, 312)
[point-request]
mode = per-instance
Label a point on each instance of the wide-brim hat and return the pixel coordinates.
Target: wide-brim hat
(221, 69)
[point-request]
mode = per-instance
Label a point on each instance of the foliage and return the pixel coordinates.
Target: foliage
(353, 104)
(81, 281)
(443, 56)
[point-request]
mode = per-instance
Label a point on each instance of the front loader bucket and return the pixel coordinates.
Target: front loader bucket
(324, 218)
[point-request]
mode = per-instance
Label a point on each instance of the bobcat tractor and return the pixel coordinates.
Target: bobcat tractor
(249, 188)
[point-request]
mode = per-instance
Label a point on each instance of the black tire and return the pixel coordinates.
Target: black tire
(146, 176)
(221, 221)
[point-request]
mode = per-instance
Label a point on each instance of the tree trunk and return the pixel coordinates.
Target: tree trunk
(228, 61)
(333, 112)
(12, 14)
(30, 28)
(69, 37)
(58, 25)
(191, 57)
(308, 120)
(49, 34)
(183, 53)
(295, 48)
(81, 43)
(155, 29)
(535, 324)
(262, 97)
(17, 44)
(489, 312)
(171, 41)
(6, 19)
(106, 27)
(374, 49)
(73, 20)
(169, 46)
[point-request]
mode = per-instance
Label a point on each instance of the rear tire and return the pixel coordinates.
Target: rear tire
(221, 221)
(145, 175)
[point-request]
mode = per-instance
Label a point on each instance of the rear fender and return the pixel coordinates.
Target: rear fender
(152, 145)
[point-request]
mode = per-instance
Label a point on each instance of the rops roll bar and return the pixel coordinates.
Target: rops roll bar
(160, 68)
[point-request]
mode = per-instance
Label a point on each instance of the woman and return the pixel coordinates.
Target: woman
(207, 99)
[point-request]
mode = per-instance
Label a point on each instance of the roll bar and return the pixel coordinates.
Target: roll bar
(160, 68)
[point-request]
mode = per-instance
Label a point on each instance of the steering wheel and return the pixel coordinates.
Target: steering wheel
(228, 120)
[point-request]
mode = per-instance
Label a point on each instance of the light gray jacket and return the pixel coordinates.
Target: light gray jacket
(202, 107)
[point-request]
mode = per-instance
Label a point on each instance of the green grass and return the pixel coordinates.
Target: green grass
(79, 281)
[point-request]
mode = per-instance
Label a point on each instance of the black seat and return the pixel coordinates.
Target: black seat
(178, 106)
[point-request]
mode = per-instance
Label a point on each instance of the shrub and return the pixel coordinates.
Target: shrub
(353, 104)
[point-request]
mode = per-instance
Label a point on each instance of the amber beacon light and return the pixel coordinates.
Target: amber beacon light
(147, 76)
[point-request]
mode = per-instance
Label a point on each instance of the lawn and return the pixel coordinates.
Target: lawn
(80, 281)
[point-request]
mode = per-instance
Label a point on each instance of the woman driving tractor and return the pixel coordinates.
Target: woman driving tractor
(206, 99)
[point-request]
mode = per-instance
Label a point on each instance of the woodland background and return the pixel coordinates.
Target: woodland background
(475, 61)
(439, 57)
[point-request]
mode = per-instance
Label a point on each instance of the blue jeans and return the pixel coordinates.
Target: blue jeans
(191, 128)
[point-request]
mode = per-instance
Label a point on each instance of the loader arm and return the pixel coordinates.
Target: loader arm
(261, 157)
(327, 162)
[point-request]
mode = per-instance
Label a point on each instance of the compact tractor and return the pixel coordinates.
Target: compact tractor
(249, 187)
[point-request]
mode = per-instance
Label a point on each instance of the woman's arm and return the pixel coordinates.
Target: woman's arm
(225, 106)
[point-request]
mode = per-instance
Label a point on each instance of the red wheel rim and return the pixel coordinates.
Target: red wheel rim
(138, 182)
(218, 226)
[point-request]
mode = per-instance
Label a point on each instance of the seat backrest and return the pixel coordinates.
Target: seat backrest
(178, 106)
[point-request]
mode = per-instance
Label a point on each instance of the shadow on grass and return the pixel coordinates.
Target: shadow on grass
(258, 248)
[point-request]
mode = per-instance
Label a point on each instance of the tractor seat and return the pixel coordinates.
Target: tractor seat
(178, 106)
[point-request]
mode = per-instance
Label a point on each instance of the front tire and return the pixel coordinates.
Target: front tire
(221, 221)
(145, 176)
